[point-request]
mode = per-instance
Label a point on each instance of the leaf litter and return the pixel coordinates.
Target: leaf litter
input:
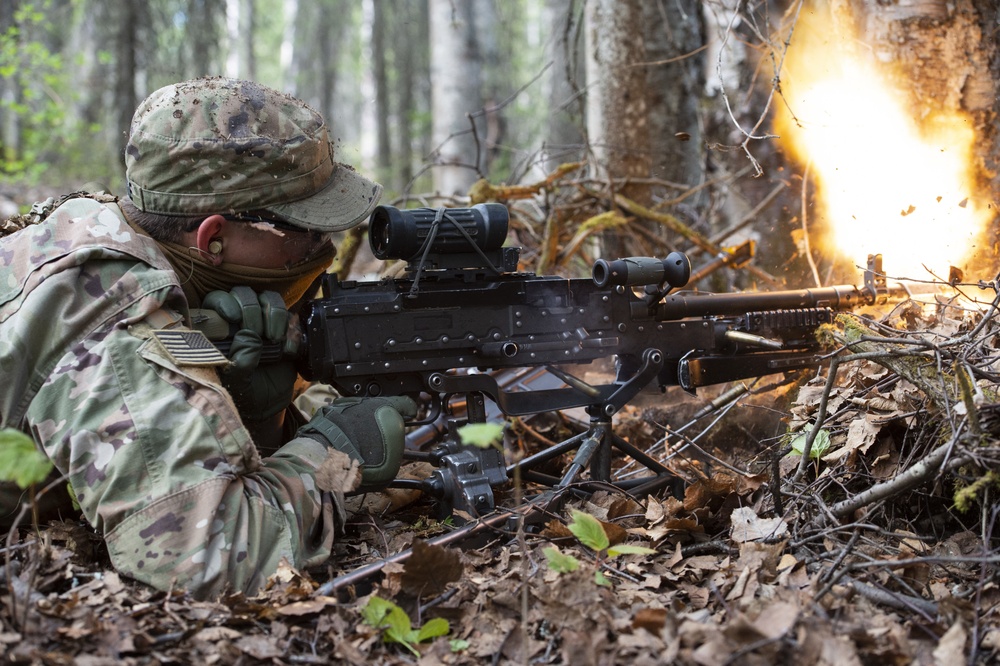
(764, 559)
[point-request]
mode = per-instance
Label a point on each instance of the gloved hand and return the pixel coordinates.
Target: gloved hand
(369, 430)
(259, 391)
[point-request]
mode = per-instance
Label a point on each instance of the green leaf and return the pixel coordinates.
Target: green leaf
(589, 530)
(383, 614)
(375, 611)
(601, 579)
(20, 461)
(560, 562)
(819, 447)
(626, 549)
(432, 629)
(481, 435)
(458, 644)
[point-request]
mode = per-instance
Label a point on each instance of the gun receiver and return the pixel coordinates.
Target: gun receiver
(462, 304)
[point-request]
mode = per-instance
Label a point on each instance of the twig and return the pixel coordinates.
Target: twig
(912, 477)
(804, 205)
(895, 600)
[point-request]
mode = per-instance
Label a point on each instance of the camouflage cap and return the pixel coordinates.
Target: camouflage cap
(216, 145)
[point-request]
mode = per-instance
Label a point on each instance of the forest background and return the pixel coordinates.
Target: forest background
(670, 104)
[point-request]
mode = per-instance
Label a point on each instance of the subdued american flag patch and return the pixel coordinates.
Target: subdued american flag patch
(189, 348)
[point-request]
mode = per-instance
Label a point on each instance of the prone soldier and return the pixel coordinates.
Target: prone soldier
(196, 468)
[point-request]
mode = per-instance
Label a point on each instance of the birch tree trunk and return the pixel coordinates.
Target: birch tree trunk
(617, 112)
(456, 80)
(241, 21)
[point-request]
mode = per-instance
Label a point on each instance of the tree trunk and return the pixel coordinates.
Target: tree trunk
(410, 50)
(9, 144)
(564, 83)
(617, 111)
(675, 83)
(126, 67)
(383, 152)
(456, 80)
(203, 35)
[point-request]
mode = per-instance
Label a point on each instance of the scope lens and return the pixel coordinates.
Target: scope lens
(379, 230)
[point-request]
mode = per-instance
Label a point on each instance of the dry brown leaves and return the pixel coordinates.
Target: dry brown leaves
(904, 580)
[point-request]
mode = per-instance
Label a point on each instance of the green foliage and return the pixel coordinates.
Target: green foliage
(458, 644)
(383, 614)
(20, 461)
(591, 534)
(819, 447)
(967, 496)
(481, 435)
(627, 549)
(36, 73)
(559, 561)
(589, 531)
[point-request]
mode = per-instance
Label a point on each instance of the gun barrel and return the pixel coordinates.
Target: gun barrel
(840, 297)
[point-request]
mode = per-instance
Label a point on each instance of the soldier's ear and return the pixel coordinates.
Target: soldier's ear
(207, 238)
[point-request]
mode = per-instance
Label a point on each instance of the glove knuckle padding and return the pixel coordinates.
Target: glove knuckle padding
(223, 303)
(250, 308)
(274, 315)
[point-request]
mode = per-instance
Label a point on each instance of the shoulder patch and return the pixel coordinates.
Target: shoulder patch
(189, 348)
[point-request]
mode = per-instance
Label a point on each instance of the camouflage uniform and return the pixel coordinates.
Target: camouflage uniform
(156, 453)
(154, 449)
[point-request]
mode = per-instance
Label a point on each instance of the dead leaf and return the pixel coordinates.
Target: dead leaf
(216, 634)
(651, 619)
(861, 434)
(748, 527)
(777, 619)
(950, 650)
(654, 512)
(259, 647)
(616, 533)
(762, 558)
(307, 606)
(701, 493)
(556, 529)
(338, 473)
(429, 570)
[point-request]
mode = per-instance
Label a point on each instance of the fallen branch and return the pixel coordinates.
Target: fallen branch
(914, 476)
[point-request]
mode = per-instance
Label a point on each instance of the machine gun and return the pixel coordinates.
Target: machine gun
(463, 309)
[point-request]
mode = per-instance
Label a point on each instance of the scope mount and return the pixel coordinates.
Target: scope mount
(501, 260)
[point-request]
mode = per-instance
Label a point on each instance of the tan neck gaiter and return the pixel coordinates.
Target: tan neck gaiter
(199, 277)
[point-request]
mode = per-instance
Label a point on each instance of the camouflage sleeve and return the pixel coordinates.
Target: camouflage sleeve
(162, 466)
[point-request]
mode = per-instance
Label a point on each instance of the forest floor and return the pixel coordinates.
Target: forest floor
(863, 557)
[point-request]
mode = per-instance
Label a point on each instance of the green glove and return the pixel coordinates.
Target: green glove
(369, 430)
(259, 391)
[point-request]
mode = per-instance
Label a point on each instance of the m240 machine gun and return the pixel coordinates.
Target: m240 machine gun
(463, 309)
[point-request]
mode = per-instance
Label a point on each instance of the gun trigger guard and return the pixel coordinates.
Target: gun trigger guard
(432, 414)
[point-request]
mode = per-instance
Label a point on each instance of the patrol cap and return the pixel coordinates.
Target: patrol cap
(220, 145)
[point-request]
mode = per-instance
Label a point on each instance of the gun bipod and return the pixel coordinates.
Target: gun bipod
(595, 447)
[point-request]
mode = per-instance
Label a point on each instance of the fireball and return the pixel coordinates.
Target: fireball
(884, 180)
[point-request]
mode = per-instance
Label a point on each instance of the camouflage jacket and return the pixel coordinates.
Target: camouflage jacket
(155, 451)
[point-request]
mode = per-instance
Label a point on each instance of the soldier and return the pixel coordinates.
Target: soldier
(233, 195)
